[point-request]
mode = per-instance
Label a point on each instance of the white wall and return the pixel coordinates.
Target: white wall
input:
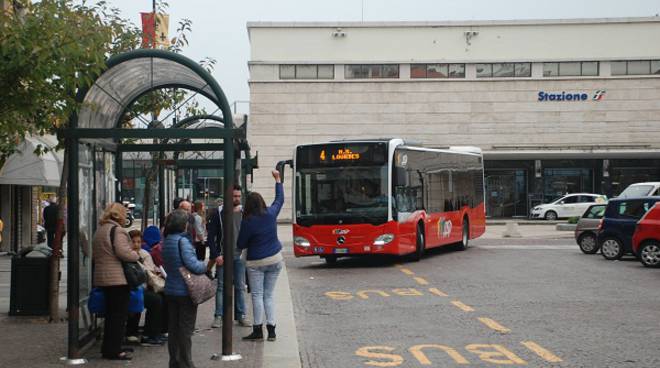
(636, 38)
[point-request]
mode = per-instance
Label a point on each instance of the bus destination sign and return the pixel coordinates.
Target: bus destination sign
(341, 154)
(337, 155)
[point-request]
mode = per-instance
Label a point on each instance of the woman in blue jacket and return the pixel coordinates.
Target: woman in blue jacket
(182, 312)
(264, 257)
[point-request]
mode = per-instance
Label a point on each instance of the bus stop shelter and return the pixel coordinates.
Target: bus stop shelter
(94, 141)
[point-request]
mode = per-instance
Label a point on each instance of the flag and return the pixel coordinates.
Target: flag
(155, 31)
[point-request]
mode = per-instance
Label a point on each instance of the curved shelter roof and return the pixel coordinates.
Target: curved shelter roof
(136, 73)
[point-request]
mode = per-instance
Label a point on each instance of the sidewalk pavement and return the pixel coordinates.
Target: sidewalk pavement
(32, 341)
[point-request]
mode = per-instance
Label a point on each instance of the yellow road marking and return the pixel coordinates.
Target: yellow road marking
(460, 305)
(421, 281)
(406, 271)
(540, 351)
(437, 292)
(494, 325)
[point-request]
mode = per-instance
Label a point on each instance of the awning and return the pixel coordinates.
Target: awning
(24, 167)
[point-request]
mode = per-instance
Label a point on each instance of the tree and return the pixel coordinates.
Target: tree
(48, 53)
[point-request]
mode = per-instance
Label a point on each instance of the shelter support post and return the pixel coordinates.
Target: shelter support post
(119, 174)
(161, 194)
(73, 277)
(228, 248)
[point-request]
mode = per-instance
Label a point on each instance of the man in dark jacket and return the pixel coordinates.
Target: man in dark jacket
(50, 220)
(216, 243)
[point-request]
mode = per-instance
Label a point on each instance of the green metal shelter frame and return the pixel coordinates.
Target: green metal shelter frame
(95, 129)
(192, 122)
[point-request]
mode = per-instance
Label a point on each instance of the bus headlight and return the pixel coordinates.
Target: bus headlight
(300, 241)
(384, 239)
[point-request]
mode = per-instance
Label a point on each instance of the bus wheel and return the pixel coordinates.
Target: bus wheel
(420, 244)
(465, 238)
(330, 260)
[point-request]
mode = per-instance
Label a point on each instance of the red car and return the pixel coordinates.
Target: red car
(646, 239)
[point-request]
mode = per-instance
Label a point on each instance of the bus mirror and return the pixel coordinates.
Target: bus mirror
(399, 177)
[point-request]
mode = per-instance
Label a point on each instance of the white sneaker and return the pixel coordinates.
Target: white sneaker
(217, 322)
(244, 322)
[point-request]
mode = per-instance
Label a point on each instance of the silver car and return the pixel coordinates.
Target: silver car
(587, 228)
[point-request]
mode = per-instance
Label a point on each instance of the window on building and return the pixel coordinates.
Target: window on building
(635, 67)
(437, 71)
(371, 71)
(307, 71)
(504, 70)
(571, 69)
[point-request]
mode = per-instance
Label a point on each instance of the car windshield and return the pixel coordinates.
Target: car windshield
(341, 195)
(636, 191)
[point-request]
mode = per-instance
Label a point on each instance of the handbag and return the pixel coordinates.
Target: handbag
(156, 282)
(134, 273)
(96, 301)
(200, 287)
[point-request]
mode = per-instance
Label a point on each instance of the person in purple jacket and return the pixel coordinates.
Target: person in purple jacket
(264, 256)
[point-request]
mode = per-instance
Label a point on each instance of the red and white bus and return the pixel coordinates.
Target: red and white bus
(385, 196)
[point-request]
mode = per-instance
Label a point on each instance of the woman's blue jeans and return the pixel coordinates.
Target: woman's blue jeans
(262, 286)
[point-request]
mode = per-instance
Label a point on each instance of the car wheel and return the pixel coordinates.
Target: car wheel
(649, 254)
(465, 238)
(551, 215)
(588, 243)
(611, 248)
(419, 245)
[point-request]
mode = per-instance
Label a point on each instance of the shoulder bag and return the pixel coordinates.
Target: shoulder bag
(135, 275)
(200, 287)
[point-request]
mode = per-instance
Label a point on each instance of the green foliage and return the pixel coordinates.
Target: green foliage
(58, 47)
(47, 55)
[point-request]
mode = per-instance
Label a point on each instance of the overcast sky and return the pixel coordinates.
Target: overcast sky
(219, 26)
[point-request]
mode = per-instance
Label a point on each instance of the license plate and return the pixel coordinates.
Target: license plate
(341, 250)
(319, 250)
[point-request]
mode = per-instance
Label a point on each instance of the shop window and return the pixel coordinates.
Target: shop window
(571, 69)
(372, 71)
(504, 70)
(635, 67)
(307, 71)
(437, 71)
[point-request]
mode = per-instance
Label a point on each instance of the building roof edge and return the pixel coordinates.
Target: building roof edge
(459, 23)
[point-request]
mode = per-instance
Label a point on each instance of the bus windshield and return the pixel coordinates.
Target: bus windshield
(341, 195)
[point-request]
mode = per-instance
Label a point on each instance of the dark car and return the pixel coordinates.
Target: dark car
(586, 230)
(619, 223)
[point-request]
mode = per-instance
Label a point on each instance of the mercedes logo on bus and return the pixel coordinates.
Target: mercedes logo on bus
(341, 240)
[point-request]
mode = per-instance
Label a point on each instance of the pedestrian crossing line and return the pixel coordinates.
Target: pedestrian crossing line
(460, 305)
(437, 292)
(406, 271)
(421, 281)
(494, 325)
(542, 352)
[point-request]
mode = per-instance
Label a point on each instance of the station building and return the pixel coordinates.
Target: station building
(557, 106)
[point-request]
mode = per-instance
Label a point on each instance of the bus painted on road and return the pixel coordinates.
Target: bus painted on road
(385, 196)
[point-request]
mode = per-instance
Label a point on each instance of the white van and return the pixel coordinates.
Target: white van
(651, 188)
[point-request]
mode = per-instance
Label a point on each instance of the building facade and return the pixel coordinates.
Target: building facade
(557, 106)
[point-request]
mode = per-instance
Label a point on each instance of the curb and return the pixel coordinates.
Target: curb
(284, 352)
(566, 227)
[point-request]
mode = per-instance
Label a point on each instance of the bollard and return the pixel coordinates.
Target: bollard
(511, 230)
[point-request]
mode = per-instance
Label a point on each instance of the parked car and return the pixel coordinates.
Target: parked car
(570, 205)
(586, 231)
(618, 224)
(641, 190)
(646, 239)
